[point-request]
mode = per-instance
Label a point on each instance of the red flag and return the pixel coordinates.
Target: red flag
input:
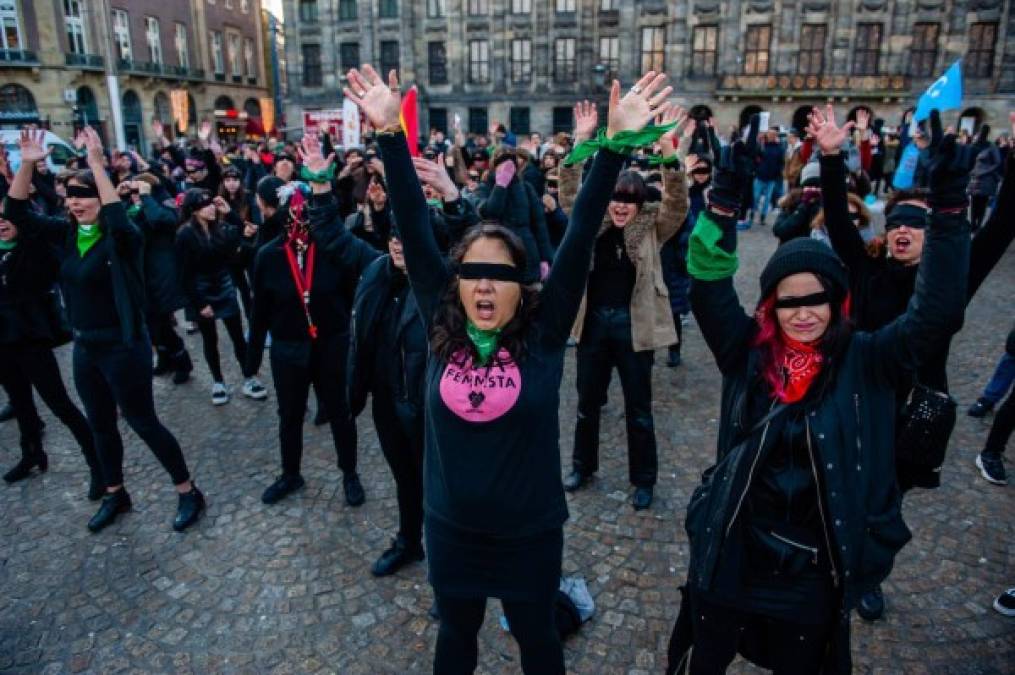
(410, 120)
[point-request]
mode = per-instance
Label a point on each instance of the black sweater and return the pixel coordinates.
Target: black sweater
(205, 260)
(29, 305)
(162, 270)
(492, 452)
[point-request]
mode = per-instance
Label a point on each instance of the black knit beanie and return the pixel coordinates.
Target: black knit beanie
(267, 190)
(805, 255)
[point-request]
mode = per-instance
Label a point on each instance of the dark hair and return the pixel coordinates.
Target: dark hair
(630, 182)
(192, 197)
(503, 154)
(448, 338)
(238, 203)
(899, 196)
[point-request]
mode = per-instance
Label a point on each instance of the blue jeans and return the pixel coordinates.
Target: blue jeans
(1001, 382)
(763, 188)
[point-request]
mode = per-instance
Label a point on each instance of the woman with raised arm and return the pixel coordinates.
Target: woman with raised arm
(801, 513)
(102, 278)
(494, 500)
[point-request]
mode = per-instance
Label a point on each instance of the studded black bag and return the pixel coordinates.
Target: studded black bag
(925, 427)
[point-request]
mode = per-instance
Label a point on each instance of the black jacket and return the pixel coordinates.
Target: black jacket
(373, 291)
(162, 270)
(205, 261)
(520, 209)
(852, 423)
(30, 309)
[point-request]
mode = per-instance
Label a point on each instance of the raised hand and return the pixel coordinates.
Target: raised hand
(380, 102)
(667, 146)
(586, 121)
(158, 129)
(204, 130)
(948, 167)
(33, 146)
(828, 135)
(221, 206)
(312, 155)
(638, 106)
(435, 174)
(89, 139)
(505, 172)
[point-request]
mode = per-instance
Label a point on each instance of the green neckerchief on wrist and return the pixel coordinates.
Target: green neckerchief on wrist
(133, 210)
(323, 176)
(88, 236)
(485, 341)
(660, 160)
(706, 260)
(623, 142)
(8, 245)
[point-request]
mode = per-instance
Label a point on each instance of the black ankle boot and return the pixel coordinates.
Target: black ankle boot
(31, 456)
(182, 365)
(113, 504)
(189, 510)
(353, 488)
(395, 558)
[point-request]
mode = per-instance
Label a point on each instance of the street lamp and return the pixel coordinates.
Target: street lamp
(599, 76)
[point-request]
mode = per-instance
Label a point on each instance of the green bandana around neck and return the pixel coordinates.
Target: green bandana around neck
(88, 236)
(8, 245)
(485, 341)
(623, 142)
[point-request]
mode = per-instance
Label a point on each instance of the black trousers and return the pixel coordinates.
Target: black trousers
(108, 376)
(23, 367)
(163, 333)
(210, 342)
(1001, 429)
(977, 209)
(792, 648)
(605, 345)
(294, 367)
(403, 450)
(242, 283)
(532, 625)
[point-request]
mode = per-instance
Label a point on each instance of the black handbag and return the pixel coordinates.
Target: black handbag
(59, 327)
(925, 427)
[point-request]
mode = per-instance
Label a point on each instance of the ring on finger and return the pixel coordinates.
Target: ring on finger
(635, 89)
(361, 94)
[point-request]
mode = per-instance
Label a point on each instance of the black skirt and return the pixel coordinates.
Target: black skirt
(475, 565)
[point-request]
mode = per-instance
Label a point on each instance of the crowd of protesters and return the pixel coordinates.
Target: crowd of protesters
(445, 286)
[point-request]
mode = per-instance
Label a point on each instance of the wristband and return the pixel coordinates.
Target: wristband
(660, 160)
(391, 130)
(622, 143)
(323, 176)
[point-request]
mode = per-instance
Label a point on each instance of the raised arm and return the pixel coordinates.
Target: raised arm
(16, 208)
(586, 120)
(996, 235)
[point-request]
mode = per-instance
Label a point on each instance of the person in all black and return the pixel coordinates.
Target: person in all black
(206, 243)
(102, 278)
(163, 295)
(271, 219)
(625, 315)
(387, 360)
(31, 324)
(495, 504)
(801, 514)
(242, 204)
(303, 283)
(371, 222)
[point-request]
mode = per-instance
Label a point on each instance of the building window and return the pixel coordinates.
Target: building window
(77, 42)
(653, 44)
(812, 49)
(311, 65)
(479, 7)
(348, 54)
(477, 121)
(435, 9)
(759, 38)
(154, 39)
(562, 120)
(10, 28)
(519, 119)
(704, 50)
(479, 61)
(389, 57)
(218, 61)
(308, 11)
(439, 119)
(608, 5)
(521, 6)
(521, 61)
(121, 35)
(566, 6)
(182, 52)
(347, 10)
(563, 60)
(868, 49)
(609, 56)
(923, 52)
(979, 60)
(388, 9)
(437, 53)
(244, 6)
(248, 58)
(234, 55)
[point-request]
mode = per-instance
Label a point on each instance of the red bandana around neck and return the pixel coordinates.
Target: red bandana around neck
(801, 363)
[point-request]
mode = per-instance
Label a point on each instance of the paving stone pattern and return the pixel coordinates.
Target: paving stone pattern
(287, 588)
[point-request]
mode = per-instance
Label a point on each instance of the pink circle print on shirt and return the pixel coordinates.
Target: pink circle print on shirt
(484, 393)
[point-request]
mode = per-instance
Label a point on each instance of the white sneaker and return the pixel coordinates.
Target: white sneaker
(253, 388)
(219, 394)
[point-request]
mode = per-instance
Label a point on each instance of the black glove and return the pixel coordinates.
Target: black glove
(731, 175)
(948, 167)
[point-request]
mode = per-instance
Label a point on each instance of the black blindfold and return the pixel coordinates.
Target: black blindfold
(625, 198)
(913, 217)
(490, 271)
(82, 191)
(812, 300)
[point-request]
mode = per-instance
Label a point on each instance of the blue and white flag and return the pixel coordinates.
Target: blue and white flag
(906, 171)
(944, 94)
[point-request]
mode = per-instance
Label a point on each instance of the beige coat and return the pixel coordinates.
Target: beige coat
(651, 319)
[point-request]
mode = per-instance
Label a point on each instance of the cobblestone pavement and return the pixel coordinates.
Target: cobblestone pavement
(286, 589)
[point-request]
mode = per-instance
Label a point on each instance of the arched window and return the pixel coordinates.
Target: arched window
(133, 120)
(17, 104)
(163, 110)
(252, 108)
(88, 107)
(224, 103)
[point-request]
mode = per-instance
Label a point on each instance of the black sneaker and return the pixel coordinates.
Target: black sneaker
(642, 498)
(673, 358)
(1005, 603)
(354, 494)
(991, 466)
(396, 557)
(980, 408)
(872, 604)
(113, 504)
(282, 488)
(190, 508)
(576, 480)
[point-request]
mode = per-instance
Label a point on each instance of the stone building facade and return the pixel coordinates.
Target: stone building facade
(525, 62)
(56, 57)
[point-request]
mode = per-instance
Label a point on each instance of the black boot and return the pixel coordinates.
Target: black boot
(642, 498)
(576, 480)
(6, 412)
(285, 485)
(182, 365)
(396, 557)
(321, 418)
(189, 510)
(113, 504)
(354, 495)
(31, 456)
(163, 362)
(673, 357)
(872, 604)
